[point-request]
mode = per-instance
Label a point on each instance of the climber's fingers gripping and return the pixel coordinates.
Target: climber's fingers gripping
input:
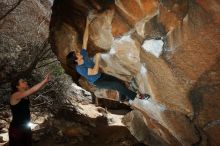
(91, 16)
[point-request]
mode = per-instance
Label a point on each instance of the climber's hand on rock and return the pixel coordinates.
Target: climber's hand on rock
(91, 16)
(88, 20)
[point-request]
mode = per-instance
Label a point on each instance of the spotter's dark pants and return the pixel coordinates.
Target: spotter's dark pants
(20, 136)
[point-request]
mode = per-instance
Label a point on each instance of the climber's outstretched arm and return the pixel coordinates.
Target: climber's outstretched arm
(86, 35)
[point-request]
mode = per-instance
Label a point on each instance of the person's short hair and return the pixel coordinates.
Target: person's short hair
(71, 59)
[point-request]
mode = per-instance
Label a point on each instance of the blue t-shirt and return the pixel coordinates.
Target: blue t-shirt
(83, 68)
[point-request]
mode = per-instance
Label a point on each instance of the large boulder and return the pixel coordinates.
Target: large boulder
(168, 49)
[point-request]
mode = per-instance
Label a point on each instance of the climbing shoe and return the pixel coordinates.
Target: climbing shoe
(144, 96)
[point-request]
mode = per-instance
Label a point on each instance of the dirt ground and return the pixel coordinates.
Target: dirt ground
(87, 132)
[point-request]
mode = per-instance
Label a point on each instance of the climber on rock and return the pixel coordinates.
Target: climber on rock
(90, 71)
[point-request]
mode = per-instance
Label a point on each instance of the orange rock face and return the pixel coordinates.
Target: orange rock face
(134, 10)
(168, 49)
(119, 27)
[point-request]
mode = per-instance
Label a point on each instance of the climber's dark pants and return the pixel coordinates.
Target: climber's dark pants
(111, 82)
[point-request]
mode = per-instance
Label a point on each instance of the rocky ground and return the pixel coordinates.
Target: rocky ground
(86, 125)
